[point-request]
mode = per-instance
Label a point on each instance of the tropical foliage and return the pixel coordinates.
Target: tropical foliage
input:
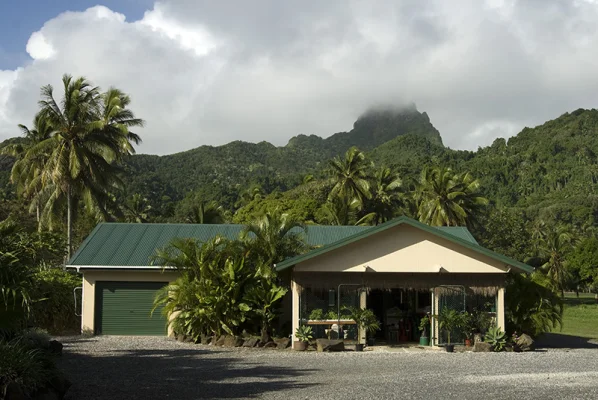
(228, 286)
(74, 158)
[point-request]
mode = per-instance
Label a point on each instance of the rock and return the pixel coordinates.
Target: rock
(270, 345)
(265, 337)
(180, 337)
(525, 343)
(250, 342)
(233, 341)
(330, 345)
(205, 339)
(13, 391)
(482, 347)
(60, 385)
(55, 347)
(220, 341)
(282, 343)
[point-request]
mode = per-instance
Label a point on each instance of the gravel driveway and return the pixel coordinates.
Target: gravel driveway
(159, 368)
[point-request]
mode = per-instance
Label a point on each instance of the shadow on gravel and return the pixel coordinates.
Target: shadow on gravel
(560, 341)
(172, 374)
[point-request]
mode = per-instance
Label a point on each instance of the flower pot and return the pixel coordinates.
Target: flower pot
(300, 346)
(468, 342)
(359, 347)
(424, 341)
(450, 348)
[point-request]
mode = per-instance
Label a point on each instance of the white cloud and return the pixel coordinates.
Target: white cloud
(38, 47)
(204, 72)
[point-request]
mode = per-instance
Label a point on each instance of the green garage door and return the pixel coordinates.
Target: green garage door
(123, 308)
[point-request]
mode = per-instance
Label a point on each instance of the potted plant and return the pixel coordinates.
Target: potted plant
(424, 323)
(467, 327)
(303, 334)
(365, 319)
(449, 320)
(316, 314)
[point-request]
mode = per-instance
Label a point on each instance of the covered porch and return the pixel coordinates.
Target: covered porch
(399, 301)
(401, 270)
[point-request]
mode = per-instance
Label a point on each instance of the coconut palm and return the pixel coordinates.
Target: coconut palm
(340, 211)
(386, 195)
(448, 199)
(206, 213)
(90, 136)
(137, 209)
(552, 247)
(350, 176)
(23, 172)
(274, 236)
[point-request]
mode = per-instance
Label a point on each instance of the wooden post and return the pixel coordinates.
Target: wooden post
(296, 292)
(434, 321)
(363, 305)
(500, 309)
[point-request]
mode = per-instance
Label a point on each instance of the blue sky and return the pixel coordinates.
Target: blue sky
(20, 18)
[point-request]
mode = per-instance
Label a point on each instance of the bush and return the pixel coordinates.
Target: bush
(54, 309)
(26, 364)
(496, 338)
(530, 307)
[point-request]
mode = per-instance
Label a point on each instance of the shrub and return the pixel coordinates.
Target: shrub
(530, 307)
(496, 338)
(304, 333)
(54, 308)
(24, 363)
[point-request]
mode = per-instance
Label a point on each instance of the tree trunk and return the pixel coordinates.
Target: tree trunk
(265, 338)
(69, 222)
(39, 224)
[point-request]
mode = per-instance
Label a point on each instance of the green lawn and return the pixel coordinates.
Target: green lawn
(580, 317)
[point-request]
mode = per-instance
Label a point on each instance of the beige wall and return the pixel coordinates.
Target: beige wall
(402, 249)
(90, 277)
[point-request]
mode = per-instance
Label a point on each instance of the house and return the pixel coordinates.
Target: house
(401, 270)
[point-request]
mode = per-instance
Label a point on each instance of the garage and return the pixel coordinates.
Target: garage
(124, 308)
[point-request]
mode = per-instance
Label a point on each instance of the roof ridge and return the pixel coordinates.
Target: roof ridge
(395, 222)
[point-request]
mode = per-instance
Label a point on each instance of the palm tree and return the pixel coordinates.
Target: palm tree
(338, 211)
(25, 172)
(350, 176)
(137, 209)
(90, 136)
(206, 213)
(386, 195)
(552, 246)
(274, 237)
(448, 199)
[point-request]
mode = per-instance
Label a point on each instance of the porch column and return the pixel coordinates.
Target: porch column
(363, 305)
(296, 294)
(434, 319)
(500, 309)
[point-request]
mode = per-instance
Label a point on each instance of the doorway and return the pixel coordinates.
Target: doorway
(399, 312)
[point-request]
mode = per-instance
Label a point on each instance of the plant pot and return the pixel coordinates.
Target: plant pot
(300, 346)
(468, 342)
(424, 341)
(450, 348)
(359, 347)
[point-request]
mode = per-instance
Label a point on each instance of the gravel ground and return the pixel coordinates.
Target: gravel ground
(159, 368)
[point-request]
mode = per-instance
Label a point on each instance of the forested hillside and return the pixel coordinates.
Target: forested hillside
(224, 170)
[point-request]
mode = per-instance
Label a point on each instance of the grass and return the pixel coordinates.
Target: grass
(580, 317)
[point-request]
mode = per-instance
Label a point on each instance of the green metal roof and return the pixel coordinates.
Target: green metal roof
(133, 245)
(123, 244)
(458, 235)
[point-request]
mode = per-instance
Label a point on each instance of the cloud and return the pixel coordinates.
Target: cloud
(204, 72)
